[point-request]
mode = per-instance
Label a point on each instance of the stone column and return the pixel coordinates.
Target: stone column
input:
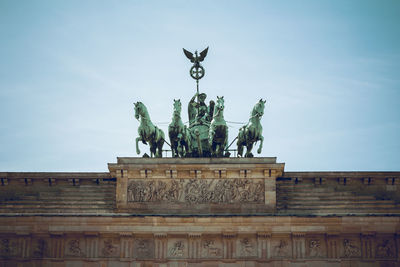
(160, 246)
(229, 243)
(367, 246)
(57, 245)
(333, 245)
(270, 188)
(126, 245)
(194, 245)
(299, 245)
(397, 236)
(264, 245)
(24, 244)
(92, 245)
(122, 186)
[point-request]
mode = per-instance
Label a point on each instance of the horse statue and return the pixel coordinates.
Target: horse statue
(218, 133)
(178, 133)
(148, 132)
(252, 131)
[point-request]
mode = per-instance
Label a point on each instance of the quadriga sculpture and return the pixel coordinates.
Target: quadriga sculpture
(178, 133)
(252, 131)
(218, 133)
(148, 132)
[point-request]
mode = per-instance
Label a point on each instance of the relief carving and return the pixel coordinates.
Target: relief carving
(282, 248)
(39, 248)
(109, 249)
(8, 247)
(211, 249)
(315, 248)
(197, 190)
(74, 248)
(385, 249)
(144, 248)
(247, 248)
(350, 249)
(177, 250)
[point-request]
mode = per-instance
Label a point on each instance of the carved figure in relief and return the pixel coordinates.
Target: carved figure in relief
(178, 249)
(385, 249)
(142, 248)
(350, 250)
(74, 247)
(196, 191)
(39, 248)
(315, 248)
(8, 247)
(282, 248)
(109, 249)
(210, 248)
(246, 247)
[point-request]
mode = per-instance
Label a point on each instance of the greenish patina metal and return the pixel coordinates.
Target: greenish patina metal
(148, 132)
(252, 131)
(200, 115)
(207, 132)
(179, 133)
(196, 71)
(218, 133)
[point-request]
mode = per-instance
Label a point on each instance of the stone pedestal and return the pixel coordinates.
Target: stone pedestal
(196, 186)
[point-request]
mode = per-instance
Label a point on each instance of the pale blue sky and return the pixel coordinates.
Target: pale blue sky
(71, 70)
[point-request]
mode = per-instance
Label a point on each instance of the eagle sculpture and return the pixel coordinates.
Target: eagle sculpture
(195, 58)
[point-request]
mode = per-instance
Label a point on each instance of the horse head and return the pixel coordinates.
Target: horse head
(220, 103)
(258, 110)
(139, 109)
(219, 106)
(177, 107)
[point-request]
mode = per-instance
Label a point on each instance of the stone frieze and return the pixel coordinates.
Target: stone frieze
(208, 247)
(200, 191)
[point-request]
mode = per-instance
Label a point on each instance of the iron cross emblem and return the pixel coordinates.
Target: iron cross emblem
(196, 71)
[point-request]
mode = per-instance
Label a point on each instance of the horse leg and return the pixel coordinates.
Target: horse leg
(152, 149)
(248, 151)
(261, 144)
(137, 145)
(177, 149)
(239, 144)
(224, 146)
(213, 147)
(186, 146)
(174, 148)
(180, 149)
(158, 148)
(218, 150)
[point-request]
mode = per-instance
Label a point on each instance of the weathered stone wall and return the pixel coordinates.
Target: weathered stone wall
(196, 186)
(338, 193)
(166, 241)
(200, 212)
(57, 193)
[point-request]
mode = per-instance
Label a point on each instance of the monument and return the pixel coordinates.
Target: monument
(201, 206)
(207, 132)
